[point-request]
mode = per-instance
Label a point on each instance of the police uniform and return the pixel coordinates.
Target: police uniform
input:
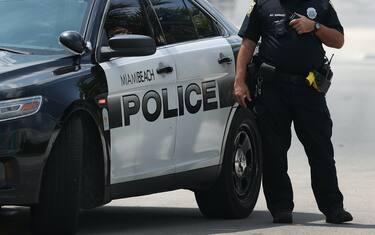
(291, 100)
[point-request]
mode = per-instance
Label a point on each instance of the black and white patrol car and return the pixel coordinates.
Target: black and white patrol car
(107, 99)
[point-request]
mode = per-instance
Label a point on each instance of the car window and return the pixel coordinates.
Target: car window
(131, 17)
(175, 20)
(203, 23)
(126, 17)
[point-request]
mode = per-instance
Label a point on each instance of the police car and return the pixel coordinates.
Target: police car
(101, 100)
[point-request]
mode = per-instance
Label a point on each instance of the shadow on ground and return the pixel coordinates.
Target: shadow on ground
(159, 220)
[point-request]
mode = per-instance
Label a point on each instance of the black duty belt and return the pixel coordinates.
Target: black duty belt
(291, 78)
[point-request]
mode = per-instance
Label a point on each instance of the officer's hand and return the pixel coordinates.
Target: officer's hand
(303, 24)
(241, 93)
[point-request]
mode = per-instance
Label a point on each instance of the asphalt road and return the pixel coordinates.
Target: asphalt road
(352, 104)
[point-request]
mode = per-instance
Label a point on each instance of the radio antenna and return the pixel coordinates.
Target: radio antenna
(330, 60)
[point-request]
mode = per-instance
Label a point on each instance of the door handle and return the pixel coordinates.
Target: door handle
(167, 69)
(224, 59)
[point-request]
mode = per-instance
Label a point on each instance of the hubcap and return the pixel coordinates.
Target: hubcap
(244, 173)
(240, 163)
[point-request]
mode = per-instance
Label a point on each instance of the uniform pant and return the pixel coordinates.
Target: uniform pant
(280, 104)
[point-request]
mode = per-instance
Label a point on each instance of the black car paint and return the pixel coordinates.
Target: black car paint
(68, 84)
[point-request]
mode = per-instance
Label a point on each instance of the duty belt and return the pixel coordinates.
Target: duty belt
(296, 79)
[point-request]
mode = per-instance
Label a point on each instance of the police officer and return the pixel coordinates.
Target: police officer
(294, 48)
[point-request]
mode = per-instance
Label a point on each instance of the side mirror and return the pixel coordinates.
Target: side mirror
(73, 42)
(128, 45)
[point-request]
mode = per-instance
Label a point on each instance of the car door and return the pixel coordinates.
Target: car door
(205, 66)
(140, 90)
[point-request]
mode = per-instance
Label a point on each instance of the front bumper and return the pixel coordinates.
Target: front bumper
(23, 150)
(21, 182)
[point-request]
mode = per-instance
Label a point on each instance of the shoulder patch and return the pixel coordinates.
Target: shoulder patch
(251, 7)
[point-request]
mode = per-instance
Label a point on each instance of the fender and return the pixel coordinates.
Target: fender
(227, 128)
(81, 94)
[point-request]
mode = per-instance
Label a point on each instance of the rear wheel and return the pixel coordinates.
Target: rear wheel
(58, 208)
(235, 193)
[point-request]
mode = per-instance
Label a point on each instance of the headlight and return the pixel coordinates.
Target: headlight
(17, 108)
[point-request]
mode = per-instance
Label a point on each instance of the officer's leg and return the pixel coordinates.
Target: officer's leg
(313, 126)
(274, 121)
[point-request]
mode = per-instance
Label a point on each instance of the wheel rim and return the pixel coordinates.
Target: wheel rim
(244, 162)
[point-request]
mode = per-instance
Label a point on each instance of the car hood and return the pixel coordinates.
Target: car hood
(20, 73)
(11, 62)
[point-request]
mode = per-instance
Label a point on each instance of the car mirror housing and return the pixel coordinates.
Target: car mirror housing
(128, 45)
(73, 42)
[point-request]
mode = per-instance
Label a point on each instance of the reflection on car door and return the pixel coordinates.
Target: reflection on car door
(204, 59)
(199, 136)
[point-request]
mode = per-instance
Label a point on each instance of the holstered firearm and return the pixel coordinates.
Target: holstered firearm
(258, 75)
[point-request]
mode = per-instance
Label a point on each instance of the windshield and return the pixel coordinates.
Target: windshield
(35, 25)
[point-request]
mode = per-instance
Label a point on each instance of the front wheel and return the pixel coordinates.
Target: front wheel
(235, 193)
(58, 207)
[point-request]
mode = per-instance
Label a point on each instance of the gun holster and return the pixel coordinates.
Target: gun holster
(258, 76)
(266, 73)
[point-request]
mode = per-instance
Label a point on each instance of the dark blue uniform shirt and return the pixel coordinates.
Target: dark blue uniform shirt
(289, 53)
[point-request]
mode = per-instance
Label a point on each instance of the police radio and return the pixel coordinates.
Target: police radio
(324, 75)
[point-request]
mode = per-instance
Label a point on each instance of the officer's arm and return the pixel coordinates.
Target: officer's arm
(330, 37)
(241, 92)
(244, 57)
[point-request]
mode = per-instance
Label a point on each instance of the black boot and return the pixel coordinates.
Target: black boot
(282, 217)
(338, 216)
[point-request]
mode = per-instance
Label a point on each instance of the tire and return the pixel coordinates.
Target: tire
(236, 191)
(58, 208)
